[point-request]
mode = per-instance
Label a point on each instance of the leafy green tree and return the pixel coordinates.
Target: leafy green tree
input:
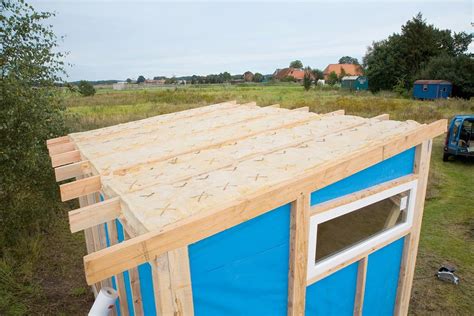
(128, 80)
(258, 77)
(348, 60)
(403, 55)
(31, 112)
(318, 74)
(332, 78)
(226, 77)
(140, 79)
(85, 88)
(307, 78)
(296, 64)
(459, 70)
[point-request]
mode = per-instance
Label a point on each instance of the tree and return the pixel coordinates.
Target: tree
(332, 78)
(140, 79)
(318, 74)
(307, 78)
(128, 80)
(403, 55)
(348, 60)
(86, 88)
(459, 70)
(226, 76)
(258, 77)
(341, 75)
(296, 64)
(31, 112)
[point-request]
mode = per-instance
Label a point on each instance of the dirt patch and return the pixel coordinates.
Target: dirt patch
(61, 276)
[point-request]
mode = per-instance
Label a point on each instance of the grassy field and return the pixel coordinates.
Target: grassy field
(448, 227)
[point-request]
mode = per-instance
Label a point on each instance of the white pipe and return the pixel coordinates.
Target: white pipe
(104, 302)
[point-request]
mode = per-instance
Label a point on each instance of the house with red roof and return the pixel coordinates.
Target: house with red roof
(349, 69)
(296, 73)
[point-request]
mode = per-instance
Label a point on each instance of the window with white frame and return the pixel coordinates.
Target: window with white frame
(345, 232)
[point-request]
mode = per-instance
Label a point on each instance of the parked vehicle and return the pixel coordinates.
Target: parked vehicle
(460, 137)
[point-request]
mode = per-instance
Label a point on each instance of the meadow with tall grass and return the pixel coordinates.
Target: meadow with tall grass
(110, 107)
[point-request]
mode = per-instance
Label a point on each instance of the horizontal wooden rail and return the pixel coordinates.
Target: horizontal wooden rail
(73, 170)
(95, 214)
(346, 199)
(65, 158)
(118, 258)
(338, 112)
(382, 117)
(80, 188)
(57, 140)
(302, 109)
(61, 148)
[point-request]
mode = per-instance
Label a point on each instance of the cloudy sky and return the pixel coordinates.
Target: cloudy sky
(121, 39)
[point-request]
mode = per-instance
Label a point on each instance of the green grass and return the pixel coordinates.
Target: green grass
(447, 232)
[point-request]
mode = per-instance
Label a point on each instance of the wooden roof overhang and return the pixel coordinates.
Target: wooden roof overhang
(178, 178)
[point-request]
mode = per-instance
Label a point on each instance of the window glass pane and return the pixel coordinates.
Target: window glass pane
(345, 231)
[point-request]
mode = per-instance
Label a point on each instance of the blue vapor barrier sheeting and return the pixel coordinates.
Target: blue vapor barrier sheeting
(107, 241)
(243, 270)
(146, 289)
(381, 282)
(126, 275)
(395, 167)
(333, 295)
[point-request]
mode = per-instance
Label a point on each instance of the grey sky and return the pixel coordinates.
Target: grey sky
(120, 39)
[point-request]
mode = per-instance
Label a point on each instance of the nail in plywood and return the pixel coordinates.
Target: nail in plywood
(79, 188)
(298, 255)
(95, 214)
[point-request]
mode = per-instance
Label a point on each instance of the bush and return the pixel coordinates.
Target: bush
(86, 88)
(31, 113)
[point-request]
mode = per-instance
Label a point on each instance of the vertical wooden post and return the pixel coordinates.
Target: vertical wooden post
(180, 275)
(119, 279)
(407, 269)
(360, 287)
(172, 283)
(135, 286)
(162, 285)
(299, 230)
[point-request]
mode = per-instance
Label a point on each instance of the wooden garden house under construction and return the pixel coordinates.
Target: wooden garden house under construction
(236, 209)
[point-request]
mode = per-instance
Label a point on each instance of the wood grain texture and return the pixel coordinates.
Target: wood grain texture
(95, 214)
(80, 187)
(107, 262)
(65, 158)
(360, 287)
(73, 170)
(299, 230)
(410, 249)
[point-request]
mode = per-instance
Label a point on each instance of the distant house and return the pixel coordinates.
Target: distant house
(296, 73)
(432, 89)
(355, 83)
(248, 76)
(349, 70)
(154, 82)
